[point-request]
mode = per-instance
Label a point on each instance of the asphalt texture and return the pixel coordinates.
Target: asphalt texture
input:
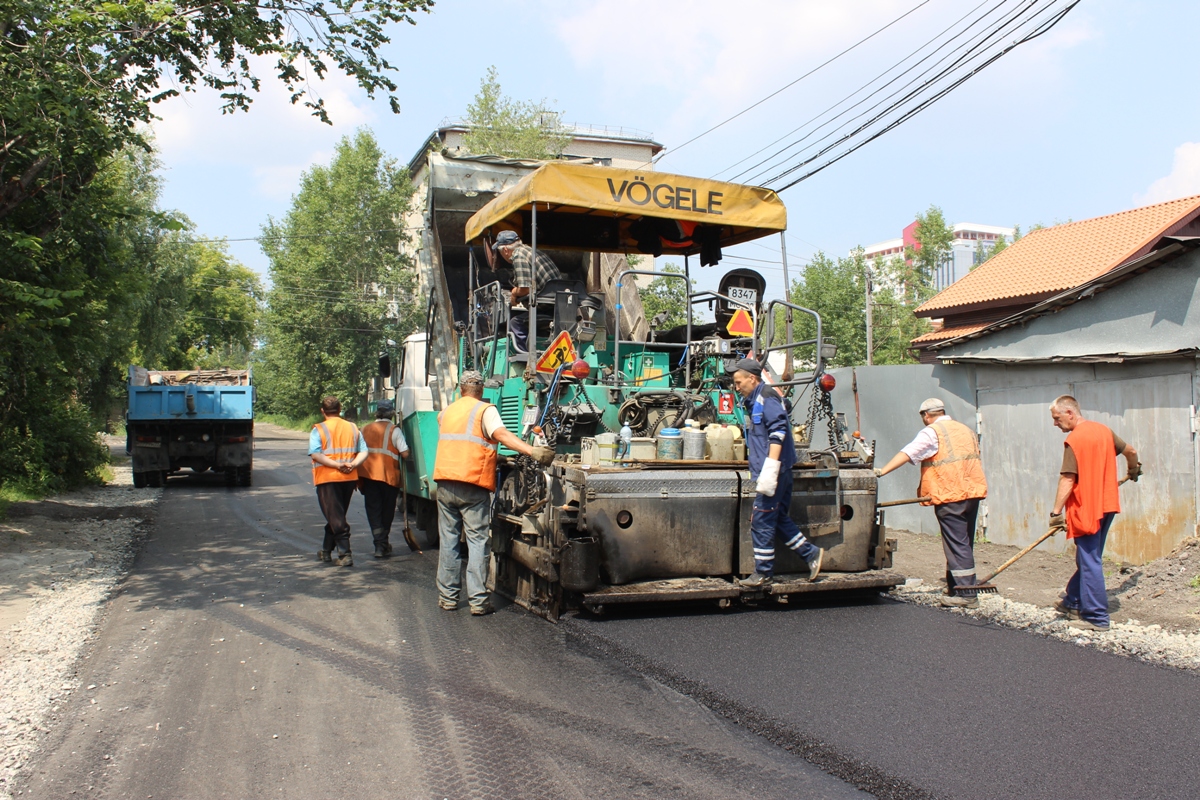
(914, 702)
(233, 665)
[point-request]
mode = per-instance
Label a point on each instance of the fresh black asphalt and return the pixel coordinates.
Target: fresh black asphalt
(938, 702)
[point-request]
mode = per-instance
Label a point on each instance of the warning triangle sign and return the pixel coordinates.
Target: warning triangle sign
(740, 324)
(561, 351)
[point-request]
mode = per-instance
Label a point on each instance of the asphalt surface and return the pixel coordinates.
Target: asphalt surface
(935, 703)
(232, 664)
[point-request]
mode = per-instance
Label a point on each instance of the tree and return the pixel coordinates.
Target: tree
(110, 285)
(835, 290)
(935, 239)
(336, 274)
(502, 126)
(79, 77)
(666, 297)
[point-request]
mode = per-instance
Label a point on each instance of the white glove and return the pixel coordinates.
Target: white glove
(768, 479)
(878, 473)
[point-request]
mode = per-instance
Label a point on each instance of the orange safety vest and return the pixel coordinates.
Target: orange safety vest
(464, 453)
(338, 440)
(1095, 493)
(383, 459)
(955, 472)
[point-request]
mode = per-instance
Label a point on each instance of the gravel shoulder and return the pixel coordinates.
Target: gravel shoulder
(1155, 609)
(61, 561)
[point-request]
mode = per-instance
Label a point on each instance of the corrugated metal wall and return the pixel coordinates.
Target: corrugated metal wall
(1148, 403)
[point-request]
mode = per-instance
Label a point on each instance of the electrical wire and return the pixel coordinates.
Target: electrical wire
(1040, 29)
(812, 71)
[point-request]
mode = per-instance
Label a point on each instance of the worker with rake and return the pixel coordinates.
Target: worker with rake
(953, 483)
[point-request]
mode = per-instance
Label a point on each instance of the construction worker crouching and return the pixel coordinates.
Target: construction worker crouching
(337, 449)
(772, 453)
(469, 429)
(379, 475)
(952, 479)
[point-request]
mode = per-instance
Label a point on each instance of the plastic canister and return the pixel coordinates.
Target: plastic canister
(693, 444)
(669, 444)
(720, 442)
(606, 443)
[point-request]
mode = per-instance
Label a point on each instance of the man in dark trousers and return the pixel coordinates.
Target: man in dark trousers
(336, 448)
(952, 479)
(1085, 505)
(379, 475)
(772, 453)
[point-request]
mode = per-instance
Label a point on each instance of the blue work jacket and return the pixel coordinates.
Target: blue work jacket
(767, 423)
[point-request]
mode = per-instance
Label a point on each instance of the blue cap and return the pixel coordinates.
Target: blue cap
(505, 237)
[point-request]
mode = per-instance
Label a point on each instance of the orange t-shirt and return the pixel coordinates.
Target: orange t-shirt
(1095, 493)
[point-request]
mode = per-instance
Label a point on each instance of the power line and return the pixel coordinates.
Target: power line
(819, 67)
(878, 77)
(1041, 28)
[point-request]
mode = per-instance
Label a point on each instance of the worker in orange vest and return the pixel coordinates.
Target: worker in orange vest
(952, 478)
(379, 475)
(1085, 506)
(469, 429)
(336, 448)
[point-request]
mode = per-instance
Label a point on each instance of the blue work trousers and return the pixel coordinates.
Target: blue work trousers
(464, 512)
(769, 519)
(518, 323)
(1085, 590)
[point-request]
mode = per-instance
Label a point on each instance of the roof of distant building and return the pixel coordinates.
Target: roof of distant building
(1051, 260)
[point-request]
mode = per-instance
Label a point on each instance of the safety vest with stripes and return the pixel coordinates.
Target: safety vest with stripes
(383, 459)
(464, 453)
(338, 440)
(955, 472)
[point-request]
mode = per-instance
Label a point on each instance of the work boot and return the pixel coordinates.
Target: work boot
(483, 609)
(1086, 625)
(954, 601)
(814, 566)
(323, 555)
(447, 605)
(1067, 611)
(345, 560)
(381, 550)
(756, 581)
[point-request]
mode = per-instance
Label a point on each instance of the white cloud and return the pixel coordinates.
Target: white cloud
(264, 142)
(1183, 180)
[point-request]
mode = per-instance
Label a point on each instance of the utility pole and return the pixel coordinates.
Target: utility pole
(870, 343)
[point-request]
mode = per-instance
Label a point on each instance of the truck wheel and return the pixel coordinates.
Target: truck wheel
(243, 476)
(231, 476)
(139, 480)
(154, 479)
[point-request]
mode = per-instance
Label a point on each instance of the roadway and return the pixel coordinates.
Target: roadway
(232, 664)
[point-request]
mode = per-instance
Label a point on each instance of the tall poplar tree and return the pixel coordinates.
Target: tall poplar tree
(340, 287)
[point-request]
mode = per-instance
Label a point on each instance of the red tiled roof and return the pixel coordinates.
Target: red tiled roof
(948, 333)
(1052, 260)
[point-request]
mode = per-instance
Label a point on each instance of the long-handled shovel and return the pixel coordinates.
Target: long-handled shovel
(409, 539)
(986, 587)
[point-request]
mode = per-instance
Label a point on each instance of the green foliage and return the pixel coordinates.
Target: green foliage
(291, 423)
(502, 126)
(667, 296)
(915, 272)
(79, 77)
(894, 324)
(835, 290)
(335, 270)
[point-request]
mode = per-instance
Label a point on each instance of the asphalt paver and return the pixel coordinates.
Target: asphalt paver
(233, 665)
(912, 701)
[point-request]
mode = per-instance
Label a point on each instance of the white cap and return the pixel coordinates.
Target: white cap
(932, 404)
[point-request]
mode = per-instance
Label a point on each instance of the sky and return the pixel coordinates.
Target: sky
(1099, 115)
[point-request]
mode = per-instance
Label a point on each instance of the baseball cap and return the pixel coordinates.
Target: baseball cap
(470, 376)
(932, 404)
(386, 407)
(748, 365)
(505, 237)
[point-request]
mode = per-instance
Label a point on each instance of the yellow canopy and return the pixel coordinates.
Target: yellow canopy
(605, 209)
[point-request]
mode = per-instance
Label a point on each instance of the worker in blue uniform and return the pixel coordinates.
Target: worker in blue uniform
(772, 453)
